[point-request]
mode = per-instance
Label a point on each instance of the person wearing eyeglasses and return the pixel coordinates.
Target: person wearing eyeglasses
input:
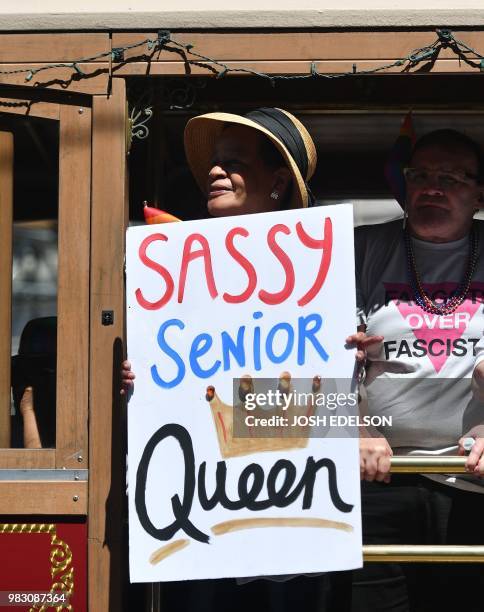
(420, 293)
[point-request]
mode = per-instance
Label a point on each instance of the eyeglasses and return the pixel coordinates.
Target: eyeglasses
(445, 179)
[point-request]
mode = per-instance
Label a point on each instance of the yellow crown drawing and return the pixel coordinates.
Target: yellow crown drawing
(248, 439)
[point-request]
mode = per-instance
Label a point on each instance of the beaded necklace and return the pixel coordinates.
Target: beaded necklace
(457, 296)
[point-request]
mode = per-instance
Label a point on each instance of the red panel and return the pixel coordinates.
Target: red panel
(25, 559)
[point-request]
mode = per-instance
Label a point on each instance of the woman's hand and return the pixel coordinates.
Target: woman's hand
(127, 378)
(375, 452)
(475, 460)
(30, 426)
(368, 347)
(375, 457)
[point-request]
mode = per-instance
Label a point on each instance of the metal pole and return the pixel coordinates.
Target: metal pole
(423, 554)
(428, 465)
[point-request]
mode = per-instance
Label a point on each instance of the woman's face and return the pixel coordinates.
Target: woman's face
(240, 181)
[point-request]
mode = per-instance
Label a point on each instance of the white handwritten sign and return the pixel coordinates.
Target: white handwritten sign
(213, 306)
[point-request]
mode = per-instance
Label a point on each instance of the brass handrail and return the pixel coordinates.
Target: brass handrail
(423, 553)
(424, 464)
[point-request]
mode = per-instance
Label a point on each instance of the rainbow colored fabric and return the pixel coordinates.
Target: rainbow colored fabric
(399, 158)
(155, 215)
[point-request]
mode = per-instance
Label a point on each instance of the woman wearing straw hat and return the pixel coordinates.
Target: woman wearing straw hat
(257, 162)
(253, 163)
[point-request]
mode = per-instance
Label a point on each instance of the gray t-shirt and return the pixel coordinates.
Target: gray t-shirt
(422, 376)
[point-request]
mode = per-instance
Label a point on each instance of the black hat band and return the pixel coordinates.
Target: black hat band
(279, 124)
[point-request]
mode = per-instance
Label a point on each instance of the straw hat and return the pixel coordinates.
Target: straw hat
(201, 134)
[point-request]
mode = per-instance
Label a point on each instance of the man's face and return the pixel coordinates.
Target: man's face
(240, 181)
(442, 192)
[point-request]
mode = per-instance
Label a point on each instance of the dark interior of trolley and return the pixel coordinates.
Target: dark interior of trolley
(354, 122)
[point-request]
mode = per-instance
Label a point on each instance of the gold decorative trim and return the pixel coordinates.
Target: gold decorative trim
(27, 528)
(61, 569)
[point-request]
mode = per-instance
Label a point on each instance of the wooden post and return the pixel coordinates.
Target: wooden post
(107, 499)
(73, 286)
(6, 220)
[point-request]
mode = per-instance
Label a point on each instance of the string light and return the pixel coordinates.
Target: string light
(165, 42)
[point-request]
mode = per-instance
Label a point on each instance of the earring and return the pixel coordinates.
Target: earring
(275, 195)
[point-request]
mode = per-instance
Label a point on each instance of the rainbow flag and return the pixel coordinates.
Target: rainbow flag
(398, 159)
(155, 215)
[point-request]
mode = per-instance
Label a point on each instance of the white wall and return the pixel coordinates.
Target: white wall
(153, 14)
